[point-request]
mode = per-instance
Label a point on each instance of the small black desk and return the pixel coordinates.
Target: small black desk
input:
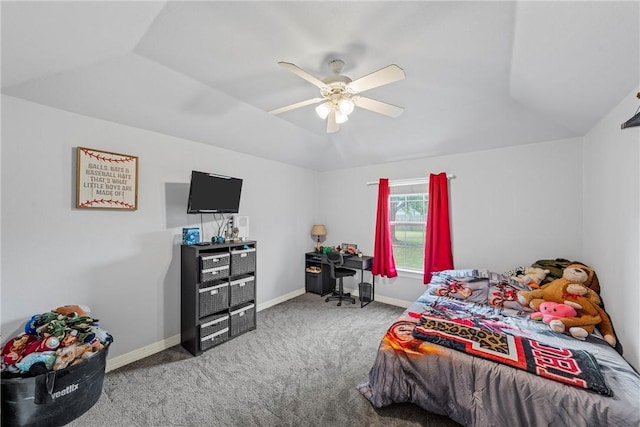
(322, 284)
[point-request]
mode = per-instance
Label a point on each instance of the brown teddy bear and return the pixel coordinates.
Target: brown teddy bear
(557, 266)
(570, 290)
(72, 310)
(575, 275)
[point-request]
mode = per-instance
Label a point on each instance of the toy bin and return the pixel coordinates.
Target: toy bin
(56, 397)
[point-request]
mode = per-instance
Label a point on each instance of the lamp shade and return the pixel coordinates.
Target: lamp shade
(346, 106)
(318, 230)
(324, 109)
(341, 117)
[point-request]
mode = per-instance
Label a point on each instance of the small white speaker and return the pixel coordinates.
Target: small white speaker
(242, 223)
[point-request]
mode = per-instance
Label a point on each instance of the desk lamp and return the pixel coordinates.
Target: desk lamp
(318, 230)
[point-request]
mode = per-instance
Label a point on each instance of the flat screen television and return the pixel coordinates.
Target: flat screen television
(213, 193)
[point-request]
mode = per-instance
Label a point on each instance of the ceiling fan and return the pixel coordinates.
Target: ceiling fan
(339, 94)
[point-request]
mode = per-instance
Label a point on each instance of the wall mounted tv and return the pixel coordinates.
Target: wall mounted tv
(212, 193)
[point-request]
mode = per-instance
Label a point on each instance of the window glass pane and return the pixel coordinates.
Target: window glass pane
(408, 218)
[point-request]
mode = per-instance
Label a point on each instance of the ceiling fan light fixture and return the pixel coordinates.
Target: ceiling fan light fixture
(324, 109)
(341, 117)
(340, 95)
(346, 106)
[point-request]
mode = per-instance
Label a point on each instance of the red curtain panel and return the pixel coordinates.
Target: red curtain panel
(437, 245)
(383, 262)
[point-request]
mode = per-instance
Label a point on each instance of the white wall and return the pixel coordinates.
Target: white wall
(126, 265)
(509, 207)
(611, 219)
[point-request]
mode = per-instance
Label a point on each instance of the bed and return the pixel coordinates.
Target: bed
(485, 364)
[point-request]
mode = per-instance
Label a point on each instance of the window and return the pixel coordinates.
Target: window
(407, 221)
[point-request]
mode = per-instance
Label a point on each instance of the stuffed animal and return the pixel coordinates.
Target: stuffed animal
(13, 350)
(550, 310)
(42, 344)
(556, 268)
(46, 357)
(532, 276)
(64, 356)
(570, 290)
(575, 276)
(73, 310)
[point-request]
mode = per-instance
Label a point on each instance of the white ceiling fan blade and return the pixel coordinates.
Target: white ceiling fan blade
(296, 105)
(377, 106)
(389, 74)
(302, 73)
(332, 126)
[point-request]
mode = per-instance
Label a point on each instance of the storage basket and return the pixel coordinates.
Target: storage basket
(54, 398)
(214, 339)
(242, 290)
(213, 299)
(243, 261)
(243, 319)
(214, 324)
(214, 273)
(212, 261)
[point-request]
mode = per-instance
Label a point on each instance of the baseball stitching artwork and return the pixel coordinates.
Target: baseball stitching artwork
(106, 180)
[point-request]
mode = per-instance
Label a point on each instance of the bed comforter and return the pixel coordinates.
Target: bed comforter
(476, 391)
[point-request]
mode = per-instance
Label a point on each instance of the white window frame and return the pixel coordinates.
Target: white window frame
(410, 189)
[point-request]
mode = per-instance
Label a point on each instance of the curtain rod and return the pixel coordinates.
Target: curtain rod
(411, 181)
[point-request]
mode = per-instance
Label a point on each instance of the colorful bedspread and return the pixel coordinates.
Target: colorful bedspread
(575, 367)
(486, 366)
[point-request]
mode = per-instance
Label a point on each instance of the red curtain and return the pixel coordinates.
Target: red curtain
(437, 245)
(383, 262)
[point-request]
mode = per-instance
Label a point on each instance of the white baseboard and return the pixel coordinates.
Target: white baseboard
(281, 299)
(141, 353)
(383, 299)
(148, 350)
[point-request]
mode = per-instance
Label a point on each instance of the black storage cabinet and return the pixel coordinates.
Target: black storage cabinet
(218, 293)
(319, 282)
(55, 398)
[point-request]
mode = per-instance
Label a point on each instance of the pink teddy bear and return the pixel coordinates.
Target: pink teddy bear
(550, 310)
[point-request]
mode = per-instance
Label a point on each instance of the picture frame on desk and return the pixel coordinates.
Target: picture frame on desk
(190, 235)
(350, 248)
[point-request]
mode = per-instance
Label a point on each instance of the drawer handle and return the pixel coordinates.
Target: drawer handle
(241, 314)
(213, 292)
(243, 255)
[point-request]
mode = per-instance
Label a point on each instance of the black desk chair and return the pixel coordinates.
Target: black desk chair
(338, 273)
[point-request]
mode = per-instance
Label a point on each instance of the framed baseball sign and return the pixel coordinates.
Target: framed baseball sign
(106, 180)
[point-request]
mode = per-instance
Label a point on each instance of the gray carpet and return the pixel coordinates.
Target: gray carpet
(300, 367)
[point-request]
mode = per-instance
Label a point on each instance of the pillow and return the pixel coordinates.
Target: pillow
(472, 289)
(504, 294)
(444, 274)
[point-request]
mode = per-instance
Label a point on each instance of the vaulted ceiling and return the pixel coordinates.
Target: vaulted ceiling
(479, 75)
